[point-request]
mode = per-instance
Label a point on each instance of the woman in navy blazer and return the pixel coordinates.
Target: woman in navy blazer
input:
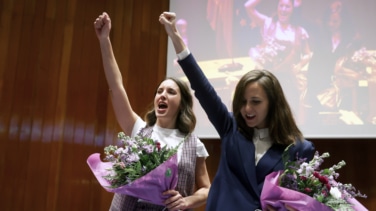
(253, 136)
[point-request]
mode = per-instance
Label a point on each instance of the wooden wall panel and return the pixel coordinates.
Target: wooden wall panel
(55, 110)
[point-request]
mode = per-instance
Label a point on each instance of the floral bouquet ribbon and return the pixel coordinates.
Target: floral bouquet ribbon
(276, 196)
(148, 187)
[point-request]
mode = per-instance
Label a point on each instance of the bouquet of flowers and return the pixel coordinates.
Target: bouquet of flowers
(304, 186)
(140, 168)
(267, 52)
(364, 56)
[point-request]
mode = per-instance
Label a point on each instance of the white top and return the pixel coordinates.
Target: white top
(285, 34)
(169, 137)
(262, 143)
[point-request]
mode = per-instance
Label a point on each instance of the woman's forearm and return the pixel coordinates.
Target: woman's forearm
(111, 69)
(178, 42)
(198, 198)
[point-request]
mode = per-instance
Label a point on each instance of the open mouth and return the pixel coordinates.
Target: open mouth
(162, 106)
(250, 116)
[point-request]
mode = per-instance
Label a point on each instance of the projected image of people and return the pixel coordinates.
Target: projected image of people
(284, 49)
(343, 93)
(323, 52)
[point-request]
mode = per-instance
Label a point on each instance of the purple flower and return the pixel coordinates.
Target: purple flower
(148, 148)
(133, 158)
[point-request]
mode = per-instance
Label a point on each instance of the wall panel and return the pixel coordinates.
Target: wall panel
(54, 109)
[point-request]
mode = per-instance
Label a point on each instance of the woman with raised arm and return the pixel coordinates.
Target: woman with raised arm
(284, 49)
(253, 136)
(170, 121)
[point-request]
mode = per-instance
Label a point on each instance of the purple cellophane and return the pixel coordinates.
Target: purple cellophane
(149, 187)
(276, 196)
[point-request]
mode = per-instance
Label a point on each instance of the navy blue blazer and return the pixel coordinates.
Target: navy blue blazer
(238, 182)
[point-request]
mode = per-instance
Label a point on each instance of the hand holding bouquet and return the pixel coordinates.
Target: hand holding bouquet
(140, 168)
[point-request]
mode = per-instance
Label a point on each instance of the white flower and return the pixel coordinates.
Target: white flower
(334, 191)
(305, 170)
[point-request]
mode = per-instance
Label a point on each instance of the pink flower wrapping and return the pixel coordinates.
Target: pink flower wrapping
(148, 187)
(276, 196)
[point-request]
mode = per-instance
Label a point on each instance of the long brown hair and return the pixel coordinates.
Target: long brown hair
(186, 120)
(279, 120)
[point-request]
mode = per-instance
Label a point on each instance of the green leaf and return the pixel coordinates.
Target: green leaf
(286, 156)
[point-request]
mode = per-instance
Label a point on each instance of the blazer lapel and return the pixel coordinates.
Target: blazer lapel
(269, 161)
(246, 148)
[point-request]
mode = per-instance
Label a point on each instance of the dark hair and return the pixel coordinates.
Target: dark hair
(347, 28)
(186, 120)
(280, 120)
(295, 17)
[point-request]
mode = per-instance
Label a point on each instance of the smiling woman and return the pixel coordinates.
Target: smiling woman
(253, 136)
(255, 108)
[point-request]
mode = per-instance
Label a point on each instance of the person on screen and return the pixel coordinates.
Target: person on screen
(253, 136)
(169, 121)
(284, 48)
(337, 62)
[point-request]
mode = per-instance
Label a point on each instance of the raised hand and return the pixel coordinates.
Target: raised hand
(168, 19)
(102, 26)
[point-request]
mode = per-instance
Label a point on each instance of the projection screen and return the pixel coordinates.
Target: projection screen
(323, 52)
